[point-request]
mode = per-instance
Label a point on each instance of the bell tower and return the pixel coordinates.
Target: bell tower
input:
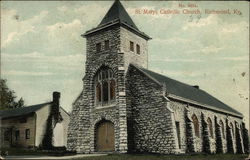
(117, 33)
(110, 48)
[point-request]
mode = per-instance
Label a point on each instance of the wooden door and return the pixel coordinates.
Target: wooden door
(105, 139)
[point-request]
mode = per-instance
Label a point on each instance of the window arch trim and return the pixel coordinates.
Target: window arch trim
(210, 127)
(196, 125)
(106, 93)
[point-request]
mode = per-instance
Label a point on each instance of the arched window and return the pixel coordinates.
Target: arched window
(105, 89)
(138, 50)
(112, 89)
(105, 86)
(210, 127)
(98, 92)
(196, 126)
(222, 129)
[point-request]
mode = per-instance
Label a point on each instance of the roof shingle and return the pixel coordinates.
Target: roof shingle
(21, 111)
(117, 15)
(189, 92)
(117, 11)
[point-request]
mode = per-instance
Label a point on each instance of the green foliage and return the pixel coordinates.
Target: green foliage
(8, 98)
(20, 103)
(36, 152)
(47, 142)
(54, 118)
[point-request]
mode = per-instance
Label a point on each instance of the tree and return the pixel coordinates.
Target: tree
(8, 98)
(20, 103)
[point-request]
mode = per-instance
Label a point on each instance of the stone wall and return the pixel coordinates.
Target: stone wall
(149, 121)
(74, 125)
(179, 116)
(143, 119)
(132, 57)
(217, 142)
(85, 114)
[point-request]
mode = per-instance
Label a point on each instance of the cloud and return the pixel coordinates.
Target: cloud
(176, 74)
(64, 38)
(25, 73)
(65, 28)
(216, 32)
(9, 39)
(183, 60)
(162, 58)
(62, 8)
(38, 18)
(211, 49)
(34, 55)
(203, 22)
(173, 40)
(38, 59)
(240, 58)
(92, 13)
(13, 29)
(235, 27)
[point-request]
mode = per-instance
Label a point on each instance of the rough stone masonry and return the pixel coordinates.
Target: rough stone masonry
(124, 107)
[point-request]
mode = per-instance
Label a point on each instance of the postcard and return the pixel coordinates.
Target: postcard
(161, 77)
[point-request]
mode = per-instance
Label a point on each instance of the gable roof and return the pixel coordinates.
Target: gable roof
(117, 11)
(22, 111)
(189, 92)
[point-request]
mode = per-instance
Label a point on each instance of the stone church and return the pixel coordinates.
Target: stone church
(124, 107)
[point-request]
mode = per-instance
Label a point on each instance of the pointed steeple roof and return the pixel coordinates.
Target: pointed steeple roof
(118, 12)
(117, 15)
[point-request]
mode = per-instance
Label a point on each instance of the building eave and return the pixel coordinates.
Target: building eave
(100, 28)
(18, 116)
(13, 113)
(185, 100)
(203, 105)
(115, 22)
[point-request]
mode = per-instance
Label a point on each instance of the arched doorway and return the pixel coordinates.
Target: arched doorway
(105, 136)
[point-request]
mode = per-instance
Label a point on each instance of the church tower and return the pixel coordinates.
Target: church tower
(117, 33)
(124, 107)
(99, 116)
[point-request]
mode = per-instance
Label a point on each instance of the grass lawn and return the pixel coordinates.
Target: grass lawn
(20, 152)
(167, 157)
(36, 152)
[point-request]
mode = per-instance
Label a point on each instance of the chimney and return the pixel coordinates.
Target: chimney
(56, 102)
(196, 86)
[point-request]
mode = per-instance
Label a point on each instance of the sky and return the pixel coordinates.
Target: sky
(42, 50)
